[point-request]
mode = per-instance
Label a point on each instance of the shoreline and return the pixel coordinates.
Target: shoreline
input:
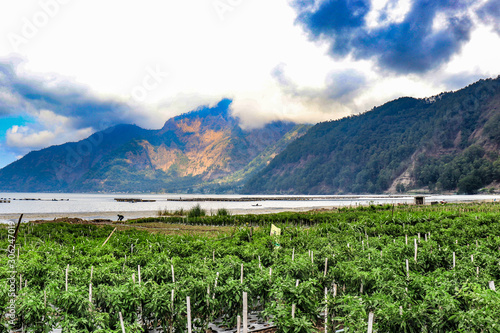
(129, 215)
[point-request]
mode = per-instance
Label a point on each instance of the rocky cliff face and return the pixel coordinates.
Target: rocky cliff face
(199, 151)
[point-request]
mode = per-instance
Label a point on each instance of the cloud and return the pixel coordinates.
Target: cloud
(288, 101)
(60, 110)
(422, 39)
(490, 13)
(48, 129)
(29, 94)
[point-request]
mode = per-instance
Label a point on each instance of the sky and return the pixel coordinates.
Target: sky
(69, 68)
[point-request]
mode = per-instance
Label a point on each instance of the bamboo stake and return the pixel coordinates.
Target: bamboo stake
(188, 301)
(492, 285)
(326, 266)
(326, 310)
(370, 322)
(241, 275)
(67, 268)
(173, 276)
(238, 324)
(121, 322)
(90, 296)
(139, 273)
(416, 249)
(111, 234)
(245, 313)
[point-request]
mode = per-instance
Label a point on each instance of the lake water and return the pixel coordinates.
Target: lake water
(104, 205)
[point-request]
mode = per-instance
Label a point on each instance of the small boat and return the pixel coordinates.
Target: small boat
(256, 205)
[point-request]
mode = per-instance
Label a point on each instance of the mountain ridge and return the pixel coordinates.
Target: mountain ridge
(433, 140)
(192, 151)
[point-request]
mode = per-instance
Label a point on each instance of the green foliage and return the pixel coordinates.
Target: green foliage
(365, 249)
(366, 153)
(223, 212)
(196, 211)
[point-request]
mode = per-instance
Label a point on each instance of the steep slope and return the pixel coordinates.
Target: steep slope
(447, 142)
(191, 152)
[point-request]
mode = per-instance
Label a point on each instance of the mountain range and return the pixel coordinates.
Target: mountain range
(204, 150)
(446, 143)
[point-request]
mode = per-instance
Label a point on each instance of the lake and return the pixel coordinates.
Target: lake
(90, 206)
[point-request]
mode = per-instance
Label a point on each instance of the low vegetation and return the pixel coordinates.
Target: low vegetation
(357, 256)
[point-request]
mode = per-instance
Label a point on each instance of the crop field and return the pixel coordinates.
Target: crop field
(413, 269)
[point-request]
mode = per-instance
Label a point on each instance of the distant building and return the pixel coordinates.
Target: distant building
(420, 200)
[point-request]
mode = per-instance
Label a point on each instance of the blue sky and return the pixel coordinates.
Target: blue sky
(70, 68)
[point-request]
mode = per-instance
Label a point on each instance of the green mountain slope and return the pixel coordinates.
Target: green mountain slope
(193, 152)
(445, 143)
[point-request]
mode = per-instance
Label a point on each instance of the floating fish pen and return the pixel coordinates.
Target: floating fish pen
(132, 200)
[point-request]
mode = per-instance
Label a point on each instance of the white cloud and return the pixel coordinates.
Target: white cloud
(108, 47)
(49, 129)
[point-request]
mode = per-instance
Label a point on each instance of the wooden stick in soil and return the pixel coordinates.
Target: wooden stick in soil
(67, 268)
(238, 324)
(121, 322)
(416, 249)
(326, 310)
(245, 313)
(111, 234)
(188, 301)
(90, 296)
(370, 322)
(139, 273)
(172, 317)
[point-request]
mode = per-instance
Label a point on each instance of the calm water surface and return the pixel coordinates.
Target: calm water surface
(75, 203)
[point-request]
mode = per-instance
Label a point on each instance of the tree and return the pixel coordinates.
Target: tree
(469, 184)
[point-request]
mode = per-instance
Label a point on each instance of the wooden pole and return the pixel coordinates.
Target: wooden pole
(293, 310)
(238, 324)
(121, 322)
(492, 285)
(326, 266)
(173, 276)
(416, 249)
(370, 322)
(326, 310)
(245, 313)
(90, 296)
(241, 275)
(139, 273)
(67, 268)
(111, 234)
(188, 300)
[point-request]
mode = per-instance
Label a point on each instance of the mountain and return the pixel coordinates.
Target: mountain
(204, 150)
(449, 142)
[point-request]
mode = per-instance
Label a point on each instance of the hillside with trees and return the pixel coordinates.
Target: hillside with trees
(446, 143)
